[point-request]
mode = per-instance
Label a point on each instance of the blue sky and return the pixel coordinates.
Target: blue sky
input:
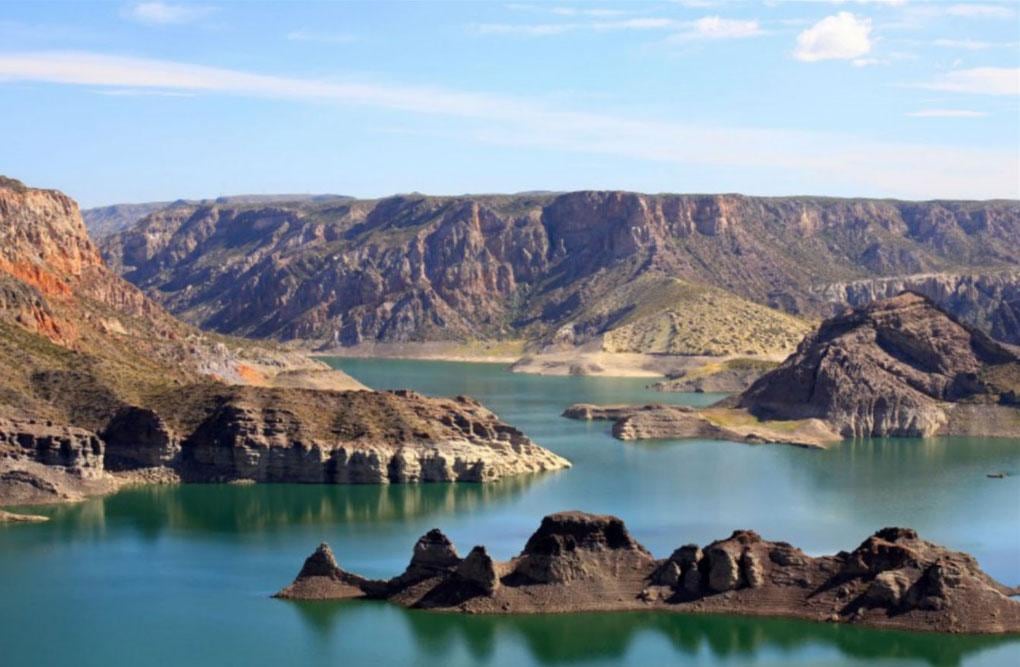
(137, 101)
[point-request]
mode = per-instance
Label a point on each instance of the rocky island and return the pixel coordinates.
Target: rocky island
(583, 562)
(899, 367)
(99, 386)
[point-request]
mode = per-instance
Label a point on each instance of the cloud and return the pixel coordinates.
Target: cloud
(946, 113)
(887, 168)
(598, 12)
(324, 37)
(162, 13)
(979, 80)
(709, 27)
(891, 3)
(980, 11)
(968, 44)
(142, 92)
(714, 27)
(842, 36)
(527, 30)
(869, 62)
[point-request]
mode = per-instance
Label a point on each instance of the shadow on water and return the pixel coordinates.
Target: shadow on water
(222, 508)
(563, 639)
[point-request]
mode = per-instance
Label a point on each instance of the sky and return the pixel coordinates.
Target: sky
(146, 101)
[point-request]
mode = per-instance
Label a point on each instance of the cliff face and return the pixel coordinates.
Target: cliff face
(582, 562)
(415, 268)
(989, 301)
(896, 367)
(77, 341)
(95, 376)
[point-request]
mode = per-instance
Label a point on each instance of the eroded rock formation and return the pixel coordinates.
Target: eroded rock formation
(537, 266)
(584, 562)
(897, 367)
(96, 377)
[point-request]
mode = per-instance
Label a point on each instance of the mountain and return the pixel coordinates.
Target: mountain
(989, 300)
(579, 562)
(897, 367)
(95, 377)
(541, 266)
(102, 221)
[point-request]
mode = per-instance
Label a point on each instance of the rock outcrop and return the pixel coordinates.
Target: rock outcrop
(989, 301)
(897, 367)
(318, 437)
(679, 422)
(582, 562)
(97, 378)
(74, 449)
(729, 377)
(544, 267)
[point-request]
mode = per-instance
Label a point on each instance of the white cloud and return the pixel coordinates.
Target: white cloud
(598, 12)
(325, 37)
(714, 27)
(973, 44)
(885, 168)
(869, 62)
(162, 13)
(980, 11)
(842, 36)
(527, 30)
(709, 27)
(586, 11)
(548, 29)
(946, 113)
(979, 80)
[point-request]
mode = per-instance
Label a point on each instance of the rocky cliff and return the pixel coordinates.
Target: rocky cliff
(94, 376)
(417, 268)
(989, 300)
(583, 562)
(897, 367)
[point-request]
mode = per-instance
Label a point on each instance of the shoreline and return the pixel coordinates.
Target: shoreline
(585, 361)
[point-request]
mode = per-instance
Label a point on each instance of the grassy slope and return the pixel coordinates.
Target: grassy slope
(670, 316)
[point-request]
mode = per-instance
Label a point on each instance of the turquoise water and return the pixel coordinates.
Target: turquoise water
(158, 576)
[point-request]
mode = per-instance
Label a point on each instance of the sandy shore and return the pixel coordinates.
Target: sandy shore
(506, 352)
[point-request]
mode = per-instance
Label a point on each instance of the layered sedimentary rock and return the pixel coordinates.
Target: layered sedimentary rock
(96, 377)
(584, 562)
(989, 301)
(356, 438)
(897, 367)
(545, 267)
(76, 450)
(679, 422)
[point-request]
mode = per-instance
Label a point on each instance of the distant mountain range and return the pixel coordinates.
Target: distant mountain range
(616, 269)
(103, 221)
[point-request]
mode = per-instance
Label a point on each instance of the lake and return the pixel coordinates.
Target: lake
(163, 575)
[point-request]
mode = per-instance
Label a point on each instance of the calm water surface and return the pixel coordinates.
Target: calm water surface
(160, 576)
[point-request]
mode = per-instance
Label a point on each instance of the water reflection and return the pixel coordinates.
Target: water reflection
(218, 508)
(567, 639)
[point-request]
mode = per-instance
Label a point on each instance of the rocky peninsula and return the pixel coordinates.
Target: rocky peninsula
(900, 367)
(99, 387)
(584, 562)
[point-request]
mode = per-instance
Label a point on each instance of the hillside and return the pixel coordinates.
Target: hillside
(94, 377)
(102, 221)
(897, 367)
(541, 267)
(670, 316)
